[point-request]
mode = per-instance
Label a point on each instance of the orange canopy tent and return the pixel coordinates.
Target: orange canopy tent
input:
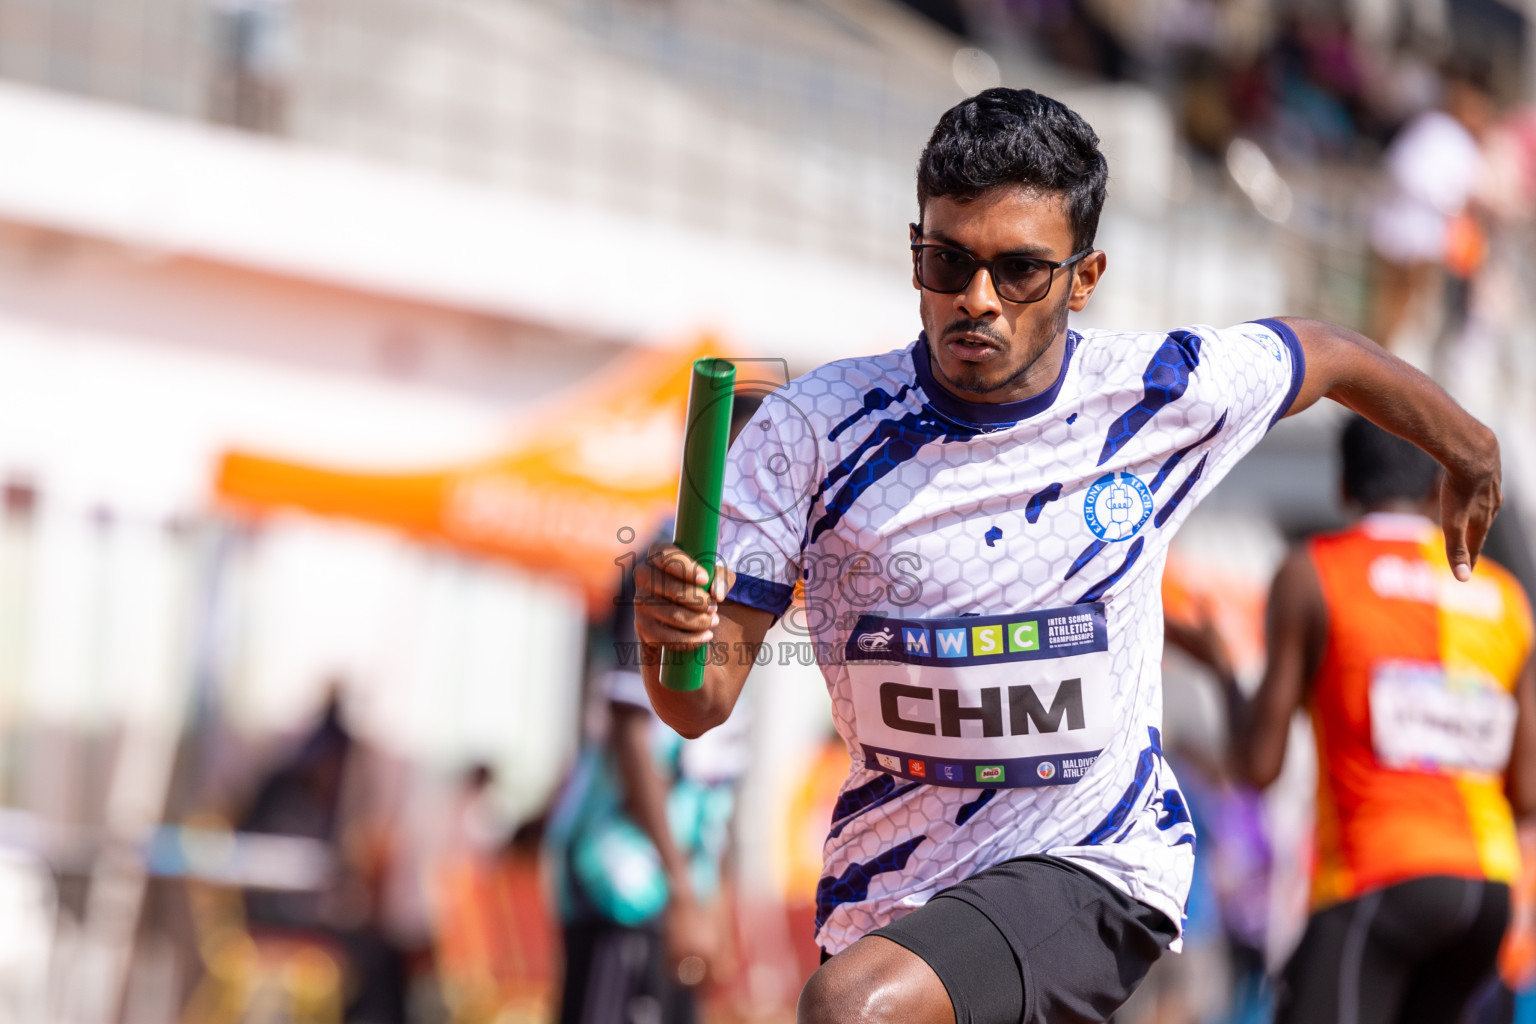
(585, 469)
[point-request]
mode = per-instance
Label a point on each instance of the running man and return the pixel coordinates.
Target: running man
(980, 520)
(1423, 706)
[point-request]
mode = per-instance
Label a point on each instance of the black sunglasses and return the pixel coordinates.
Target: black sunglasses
(948, 271)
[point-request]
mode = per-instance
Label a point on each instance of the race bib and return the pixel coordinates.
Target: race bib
(1425, 720)
(992, 701)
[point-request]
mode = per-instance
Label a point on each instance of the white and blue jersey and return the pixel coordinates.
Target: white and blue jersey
(982, 583)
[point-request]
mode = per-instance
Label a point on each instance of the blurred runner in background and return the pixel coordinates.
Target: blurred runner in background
(1423, 704)
(637, 841)
(1426, 224)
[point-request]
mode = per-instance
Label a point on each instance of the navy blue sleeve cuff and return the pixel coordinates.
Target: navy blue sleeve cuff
(764, 595)
(1298, 364)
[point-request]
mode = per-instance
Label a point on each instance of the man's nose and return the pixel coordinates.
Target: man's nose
(980, 297)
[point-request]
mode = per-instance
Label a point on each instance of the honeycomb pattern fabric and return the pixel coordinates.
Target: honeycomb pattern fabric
(885, 494)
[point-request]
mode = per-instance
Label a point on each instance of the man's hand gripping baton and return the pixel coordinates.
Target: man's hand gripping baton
(710, 397)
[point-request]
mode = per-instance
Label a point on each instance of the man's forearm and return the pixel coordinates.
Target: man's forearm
(1255, 753)
(1354, 371)
(1358, 374)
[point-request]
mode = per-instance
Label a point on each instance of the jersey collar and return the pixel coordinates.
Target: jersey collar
(1396, 525)
(990, 413)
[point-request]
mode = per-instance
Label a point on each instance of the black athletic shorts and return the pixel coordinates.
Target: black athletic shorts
(1035, 941)
(1412, 953)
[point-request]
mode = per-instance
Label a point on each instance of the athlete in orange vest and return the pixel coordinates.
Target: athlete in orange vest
(1423, 704)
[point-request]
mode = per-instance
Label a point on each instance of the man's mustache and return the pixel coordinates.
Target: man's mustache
(983, 328)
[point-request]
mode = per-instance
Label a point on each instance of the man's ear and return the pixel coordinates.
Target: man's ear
(915, 232)
(1085, 279)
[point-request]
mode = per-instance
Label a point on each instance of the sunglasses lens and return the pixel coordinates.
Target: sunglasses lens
(1023, 280)
(944, 270)
(1017, 279)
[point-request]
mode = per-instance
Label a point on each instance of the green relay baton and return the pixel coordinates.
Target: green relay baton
(708, 434)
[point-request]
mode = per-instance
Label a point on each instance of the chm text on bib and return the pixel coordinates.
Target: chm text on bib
(991, 701)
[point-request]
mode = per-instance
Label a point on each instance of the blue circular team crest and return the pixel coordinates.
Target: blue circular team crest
(1116, 506)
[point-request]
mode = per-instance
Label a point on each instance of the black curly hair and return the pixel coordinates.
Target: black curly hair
(1004, 137)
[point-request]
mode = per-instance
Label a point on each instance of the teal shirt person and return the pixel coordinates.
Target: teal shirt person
(605, 866)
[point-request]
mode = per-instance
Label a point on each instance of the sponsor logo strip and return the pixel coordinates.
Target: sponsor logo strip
(981, 640)
(1008, 773)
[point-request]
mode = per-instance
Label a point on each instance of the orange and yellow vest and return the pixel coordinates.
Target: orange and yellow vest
(1413, 711)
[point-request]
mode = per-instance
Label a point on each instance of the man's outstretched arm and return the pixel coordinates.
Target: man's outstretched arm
(674, 609)
(1361, 375)
(1296, 632)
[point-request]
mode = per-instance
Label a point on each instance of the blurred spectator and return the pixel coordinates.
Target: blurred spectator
(636, 843)
(638, 840)
(301, 796)
(1483, 359)
(1425, 226)
(1509, 183)
(1317, 81)
(492, 940)
(1404, 84)
(1072, 34)
(305, 795)
(1422, 695)
(1206, 116)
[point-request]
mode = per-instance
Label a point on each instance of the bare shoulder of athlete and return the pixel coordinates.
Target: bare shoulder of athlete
(1295, 585)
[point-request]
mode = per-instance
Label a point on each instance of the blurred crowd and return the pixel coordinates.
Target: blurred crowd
(1400, 140)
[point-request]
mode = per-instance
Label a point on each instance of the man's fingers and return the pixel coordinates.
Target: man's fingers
(653, 582)
(675, 625)
(668, 636)
(1476, 534)
(1460, 559)
(655, 587)
(670, 562)
(1453, 521)
(1462, 539)
(724, 580)
(670, 610)
(1484, 513)
(1466, 514)
(688, 618)
(673, 561)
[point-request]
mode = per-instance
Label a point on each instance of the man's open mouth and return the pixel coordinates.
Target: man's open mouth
(971, 346)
